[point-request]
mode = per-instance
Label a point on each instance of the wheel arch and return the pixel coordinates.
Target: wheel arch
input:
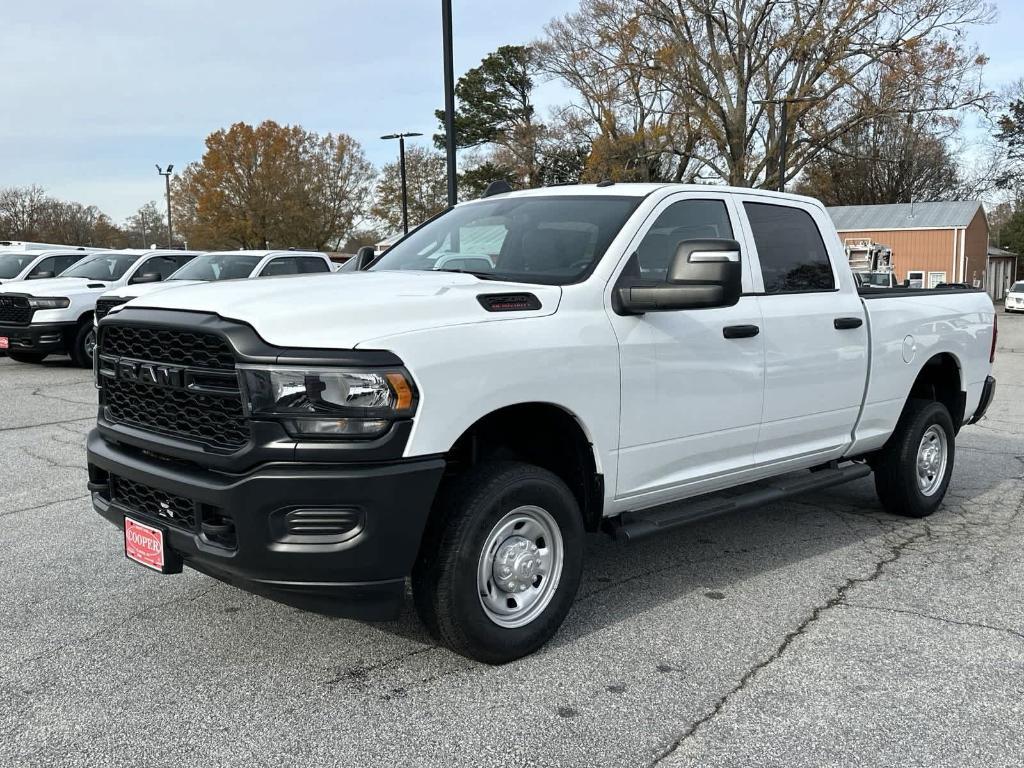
(941, 379)
(540, 433)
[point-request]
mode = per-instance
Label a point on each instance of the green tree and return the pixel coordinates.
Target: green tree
(427, 187)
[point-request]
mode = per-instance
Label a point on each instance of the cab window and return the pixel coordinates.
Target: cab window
(790, 248)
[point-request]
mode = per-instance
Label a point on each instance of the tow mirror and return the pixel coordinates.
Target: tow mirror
(40, 275)
(147, 277)
(364, 257)
(703, 274)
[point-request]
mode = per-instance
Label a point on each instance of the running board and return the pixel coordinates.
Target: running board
(636, 525)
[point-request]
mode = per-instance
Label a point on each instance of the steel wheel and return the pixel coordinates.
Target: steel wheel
(932, 455)
(90, 344)
(520, 566)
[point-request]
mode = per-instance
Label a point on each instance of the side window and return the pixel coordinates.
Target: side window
(64, 262)
(182, 260)
(309, 264)
(685, 220)
(792, 254)
(284, 266)
(49, 264)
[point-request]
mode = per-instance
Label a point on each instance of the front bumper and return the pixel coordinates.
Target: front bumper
(361, 573)
(988, 392)
(48, 338)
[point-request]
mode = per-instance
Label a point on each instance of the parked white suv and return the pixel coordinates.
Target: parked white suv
(17, 265)
(214, 266)
(54, 315)
(1014, 301)
(516, 372)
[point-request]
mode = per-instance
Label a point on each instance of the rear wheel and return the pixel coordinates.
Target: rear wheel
(501, 563)
(84, 345)
(912, 471)
(27, 357)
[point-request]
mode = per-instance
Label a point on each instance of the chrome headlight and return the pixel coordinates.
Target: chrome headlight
(56, 302)
(330, 402)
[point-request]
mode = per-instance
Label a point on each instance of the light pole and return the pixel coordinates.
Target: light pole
(401, 169)
(783, 102)
(449, 99)
(167, 180)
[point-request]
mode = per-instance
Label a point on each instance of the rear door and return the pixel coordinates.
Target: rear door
(814, 330)
(690, 396)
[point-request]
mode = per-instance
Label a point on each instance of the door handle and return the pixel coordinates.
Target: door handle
(740, 331)
(846, 323)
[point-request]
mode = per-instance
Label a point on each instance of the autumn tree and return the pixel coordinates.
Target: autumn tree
(1010, 135)
(24, 212)
(427, 187)
(264, 185)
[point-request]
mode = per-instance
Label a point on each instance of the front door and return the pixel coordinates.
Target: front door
(691, 398)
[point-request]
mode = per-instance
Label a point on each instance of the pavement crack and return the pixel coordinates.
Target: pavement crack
(358, 674)
(892, 554)
(8, 512)
(53, 463)
(47, 423)
(934, 617)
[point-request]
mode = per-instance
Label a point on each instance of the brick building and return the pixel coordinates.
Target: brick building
(931, 243)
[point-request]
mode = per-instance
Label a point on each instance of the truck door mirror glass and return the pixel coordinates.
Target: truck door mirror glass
(703, 274)
(40, 275)
(364, 257)
(147, 277)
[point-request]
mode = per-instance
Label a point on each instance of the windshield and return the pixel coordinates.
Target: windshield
(102, 267)
(552, 240)
(1017, 287)
(11, 264)
(218, 266)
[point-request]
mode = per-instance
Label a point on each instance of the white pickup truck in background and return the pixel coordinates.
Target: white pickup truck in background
(55, 315)
(213, 266)
(514, 373)
(27, 264)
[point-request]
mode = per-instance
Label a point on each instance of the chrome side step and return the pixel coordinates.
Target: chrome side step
(636, 525)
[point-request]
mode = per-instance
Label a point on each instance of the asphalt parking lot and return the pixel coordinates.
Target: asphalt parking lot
(817, 632)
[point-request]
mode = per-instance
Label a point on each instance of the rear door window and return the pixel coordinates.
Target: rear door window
(310, 264)
(790, 248)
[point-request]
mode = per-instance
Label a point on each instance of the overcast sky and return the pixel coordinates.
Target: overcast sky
(94, 93)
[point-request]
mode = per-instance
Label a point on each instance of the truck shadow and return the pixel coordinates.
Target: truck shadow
(622, 581)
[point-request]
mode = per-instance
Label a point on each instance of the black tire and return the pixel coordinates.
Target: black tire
(27, 357)
(445, 577)
(896, 465)
(83, 344)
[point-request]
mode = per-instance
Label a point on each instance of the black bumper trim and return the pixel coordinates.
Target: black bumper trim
(361, 576)
(37, 337)
(988, 393)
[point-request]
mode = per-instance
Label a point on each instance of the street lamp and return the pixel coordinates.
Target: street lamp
(784, 102)
(167, 180)
(449, 99)
(401, 166)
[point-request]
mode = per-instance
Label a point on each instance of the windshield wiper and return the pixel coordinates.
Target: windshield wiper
(481, 275)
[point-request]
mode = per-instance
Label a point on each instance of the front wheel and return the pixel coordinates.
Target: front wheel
(912, 471)
(501, 562)
(84, 346)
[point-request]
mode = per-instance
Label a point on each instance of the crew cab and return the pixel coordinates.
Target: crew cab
(55, 315)
(518, 371)
(17, 265)
(213, 266)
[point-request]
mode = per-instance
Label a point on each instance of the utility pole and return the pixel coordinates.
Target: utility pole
(401, 169)
(167, 181)
(449, 99)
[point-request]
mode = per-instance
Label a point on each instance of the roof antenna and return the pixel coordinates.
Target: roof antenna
(497, 187)
(605, 183)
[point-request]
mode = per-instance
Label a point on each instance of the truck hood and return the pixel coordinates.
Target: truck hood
(343, 310)
(144, 289)
(57, 286)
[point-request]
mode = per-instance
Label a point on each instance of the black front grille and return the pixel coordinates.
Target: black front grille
(210, 415)
(15, 309)
(103, 306)
(193, 349)
(214, 420)
(174, 510)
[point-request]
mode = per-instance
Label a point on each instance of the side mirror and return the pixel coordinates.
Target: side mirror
(147, 277)
(364, 257)
(40, 276)
(703, 274)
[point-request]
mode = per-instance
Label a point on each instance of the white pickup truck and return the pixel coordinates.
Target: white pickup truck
(213, 266)
(513, 374)
(27, 264)
(55, 315)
